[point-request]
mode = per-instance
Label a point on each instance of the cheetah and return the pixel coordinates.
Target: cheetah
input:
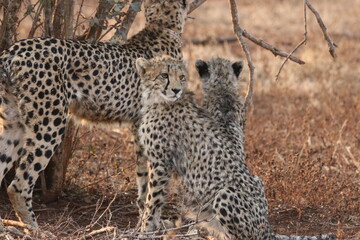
(181, 138)
(44, 81)
(220, 87)
(189, 142)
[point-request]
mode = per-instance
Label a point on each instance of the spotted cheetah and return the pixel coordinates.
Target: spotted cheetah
(181, 138)
(221, 89)
(44, 80)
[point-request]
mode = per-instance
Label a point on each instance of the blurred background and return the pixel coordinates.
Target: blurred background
(303, 130)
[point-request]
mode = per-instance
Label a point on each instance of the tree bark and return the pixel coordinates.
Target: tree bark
(48, 18)
(56, 170)
(8, 27)
(55, 173)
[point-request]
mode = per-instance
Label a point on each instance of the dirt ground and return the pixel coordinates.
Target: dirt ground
(302, 136)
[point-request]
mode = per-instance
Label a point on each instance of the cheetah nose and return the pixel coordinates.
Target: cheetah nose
(176, 90)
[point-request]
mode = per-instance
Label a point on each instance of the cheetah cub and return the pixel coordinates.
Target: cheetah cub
(221, 89)
(182, 139)
(220, 85)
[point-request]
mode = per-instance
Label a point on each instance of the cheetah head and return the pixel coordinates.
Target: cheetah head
(219, 73)
(167, 13)
(163, 79)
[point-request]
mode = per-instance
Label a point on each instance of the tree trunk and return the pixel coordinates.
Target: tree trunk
(54, 175)
(8, 27)
(56, 169)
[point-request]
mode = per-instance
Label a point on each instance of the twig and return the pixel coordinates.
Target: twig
(126, 234)
(34, 25)
(271, 48)
(99, 231)
(102, 214)
(126, 23)
(212, 40)
(331, 44)
(297, 46)
(195, 4)
(26, 14)
(17, 224)
(15, 231)
(96, 29)
(26, 227)
(239, 33)
(77, 18)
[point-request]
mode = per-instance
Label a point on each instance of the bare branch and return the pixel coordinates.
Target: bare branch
(122, 32)
(195, 4)
(100, 17)
(331, 44)
(297, 46)
(99, 231)
(17, 224)
(27, 227)
(35, 23)
(155, 234)
(77, 18)
(271, 48)
(239, 33)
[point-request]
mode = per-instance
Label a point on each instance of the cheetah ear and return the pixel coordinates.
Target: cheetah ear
(142, 66)
(203, 69)
(237, 67)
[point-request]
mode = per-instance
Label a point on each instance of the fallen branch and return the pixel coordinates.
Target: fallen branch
(15, 231)
(27, 228)
(99, 231)
(155, 234)
(195, 4)
(18, 224)
(331, 44)
(240, 35)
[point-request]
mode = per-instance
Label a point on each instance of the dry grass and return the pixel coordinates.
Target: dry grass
(303, 132)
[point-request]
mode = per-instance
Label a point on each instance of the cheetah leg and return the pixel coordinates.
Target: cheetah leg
(240, 216)
(40, 144)
(11, 133)
(157, 190)
(141, 170)
(207, 219)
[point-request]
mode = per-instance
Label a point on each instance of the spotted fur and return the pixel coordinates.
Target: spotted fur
(205, 149)
(43, 80)
(221, 90)
(181, 138)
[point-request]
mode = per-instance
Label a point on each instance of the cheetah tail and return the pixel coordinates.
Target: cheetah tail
(329, 236)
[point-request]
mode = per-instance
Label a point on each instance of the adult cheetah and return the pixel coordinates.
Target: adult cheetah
(182, 138)
(42, 80)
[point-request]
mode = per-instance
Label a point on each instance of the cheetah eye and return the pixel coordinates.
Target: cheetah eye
(182, 78)
(165, 75)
